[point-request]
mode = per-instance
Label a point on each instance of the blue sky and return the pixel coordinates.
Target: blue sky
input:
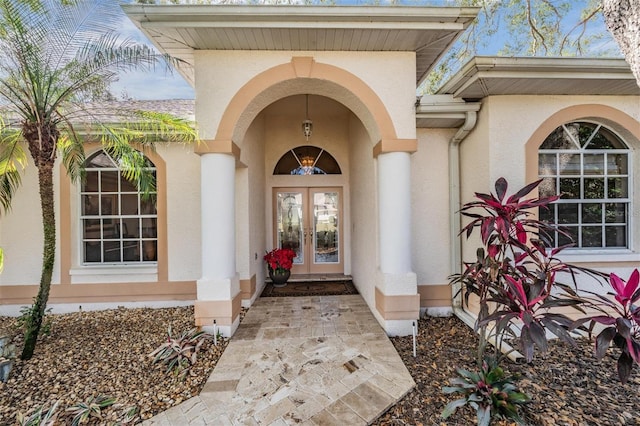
(162, 84)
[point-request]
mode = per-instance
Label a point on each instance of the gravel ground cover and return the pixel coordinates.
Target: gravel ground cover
(106, 353)
(93, 353)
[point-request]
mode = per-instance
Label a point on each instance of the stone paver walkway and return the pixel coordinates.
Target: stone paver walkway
(321, 360)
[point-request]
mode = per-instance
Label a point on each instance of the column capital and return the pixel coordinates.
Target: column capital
(395, 145)
(218, 146)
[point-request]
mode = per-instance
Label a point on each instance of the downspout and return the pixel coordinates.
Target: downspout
(455, 226)
(454, 206)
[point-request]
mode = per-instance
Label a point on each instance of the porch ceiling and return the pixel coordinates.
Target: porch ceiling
(180, 29)
(487, 76)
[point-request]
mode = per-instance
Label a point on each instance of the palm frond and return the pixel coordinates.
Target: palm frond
(166, 127)
(73, 155)
(13, 159)
(133, 164)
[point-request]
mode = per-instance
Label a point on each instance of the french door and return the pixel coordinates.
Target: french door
(309, 221)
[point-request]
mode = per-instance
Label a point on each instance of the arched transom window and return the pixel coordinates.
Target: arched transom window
(119, 225)
(307, 160)
(588, 165)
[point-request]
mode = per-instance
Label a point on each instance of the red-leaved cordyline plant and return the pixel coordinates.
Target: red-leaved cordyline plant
(514, 275)
(621, 317)
(515, 279)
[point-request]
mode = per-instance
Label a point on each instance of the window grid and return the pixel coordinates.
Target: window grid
(118, 226)
(593, 221)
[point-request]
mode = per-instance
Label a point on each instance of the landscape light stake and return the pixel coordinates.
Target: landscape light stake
(215, 333)
(414, 339)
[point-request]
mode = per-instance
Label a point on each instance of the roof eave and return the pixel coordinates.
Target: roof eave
(536, 68)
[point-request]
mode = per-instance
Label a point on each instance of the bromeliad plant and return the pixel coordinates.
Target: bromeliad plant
(91, 408)
(179, 353)
(280, 259)
(515, 280)
(490, 392)
(39, 417)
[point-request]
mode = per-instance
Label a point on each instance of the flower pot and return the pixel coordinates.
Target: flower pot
(279, 277)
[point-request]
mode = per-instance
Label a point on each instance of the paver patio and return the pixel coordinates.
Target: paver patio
(318, 360)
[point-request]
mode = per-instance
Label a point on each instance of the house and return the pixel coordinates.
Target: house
(312, 138)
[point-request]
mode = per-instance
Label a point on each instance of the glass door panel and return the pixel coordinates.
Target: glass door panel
(290, 223)
(308, 221)
(326, 247)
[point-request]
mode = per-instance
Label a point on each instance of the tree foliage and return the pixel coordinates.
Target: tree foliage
(526, 28)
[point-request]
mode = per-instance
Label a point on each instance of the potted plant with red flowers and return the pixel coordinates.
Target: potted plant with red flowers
(279, 261)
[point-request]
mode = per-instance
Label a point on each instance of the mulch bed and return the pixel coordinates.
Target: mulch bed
(315, 288)
(568, 386)
(93, 353)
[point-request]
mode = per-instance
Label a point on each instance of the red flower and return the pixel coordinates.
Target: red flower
(280, 259)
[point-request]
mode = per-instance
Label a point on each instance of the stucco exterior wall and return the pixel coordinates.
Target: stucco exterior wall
(251, 212)
(393, 83)
(430, 206)
(504, 144)
(74, 284)
(364, 225)
(183, 211)
(21, 232)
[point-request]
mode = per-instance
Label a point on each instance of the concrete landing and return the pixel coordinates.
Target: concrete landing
(321, 360)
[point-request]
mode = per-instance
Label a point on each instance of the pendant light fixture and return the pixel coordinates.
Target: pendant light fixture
(307, 125)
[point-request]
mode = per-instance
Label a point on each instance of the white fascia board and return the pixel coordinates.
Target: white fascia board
(206, 13)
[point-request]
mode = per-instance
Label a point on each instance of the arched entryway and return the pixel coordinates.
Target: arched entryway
(260, 124)
(307, 181)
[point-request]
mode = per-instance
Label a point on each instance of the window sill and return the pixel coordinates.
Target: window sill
(114, 269)
(99, 274)
(599, 256)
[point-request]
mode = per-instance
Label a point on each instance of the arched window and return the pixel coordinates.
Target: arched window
(307, 160)
(118, 224)
(588, 165)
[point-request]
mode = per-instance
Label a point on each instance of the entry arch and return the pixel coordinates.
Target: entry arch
(303, 75)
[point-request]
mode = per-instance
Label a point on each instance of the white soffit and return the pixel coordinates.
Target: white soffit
(178, 30)
(487, 76)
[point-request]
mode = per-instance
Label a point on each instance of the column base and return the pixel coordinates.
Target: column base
(397, 302)
(218, 300)
(399, 327)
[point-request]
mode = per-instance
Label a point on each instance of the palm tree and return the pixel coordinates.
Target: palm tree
(55, 57)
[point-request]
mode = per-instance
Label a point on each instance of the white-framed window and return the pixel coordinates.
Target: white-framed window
(589, 166)
(118, 224)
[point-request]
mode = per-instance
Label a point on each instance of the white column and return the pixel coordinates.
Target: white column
(394, 207)
(397, 299)
(219, 284)
(217, 180)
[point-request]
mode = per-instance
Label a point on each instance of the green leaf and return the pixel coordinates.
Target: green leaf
(451, 407)
(484, 415)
